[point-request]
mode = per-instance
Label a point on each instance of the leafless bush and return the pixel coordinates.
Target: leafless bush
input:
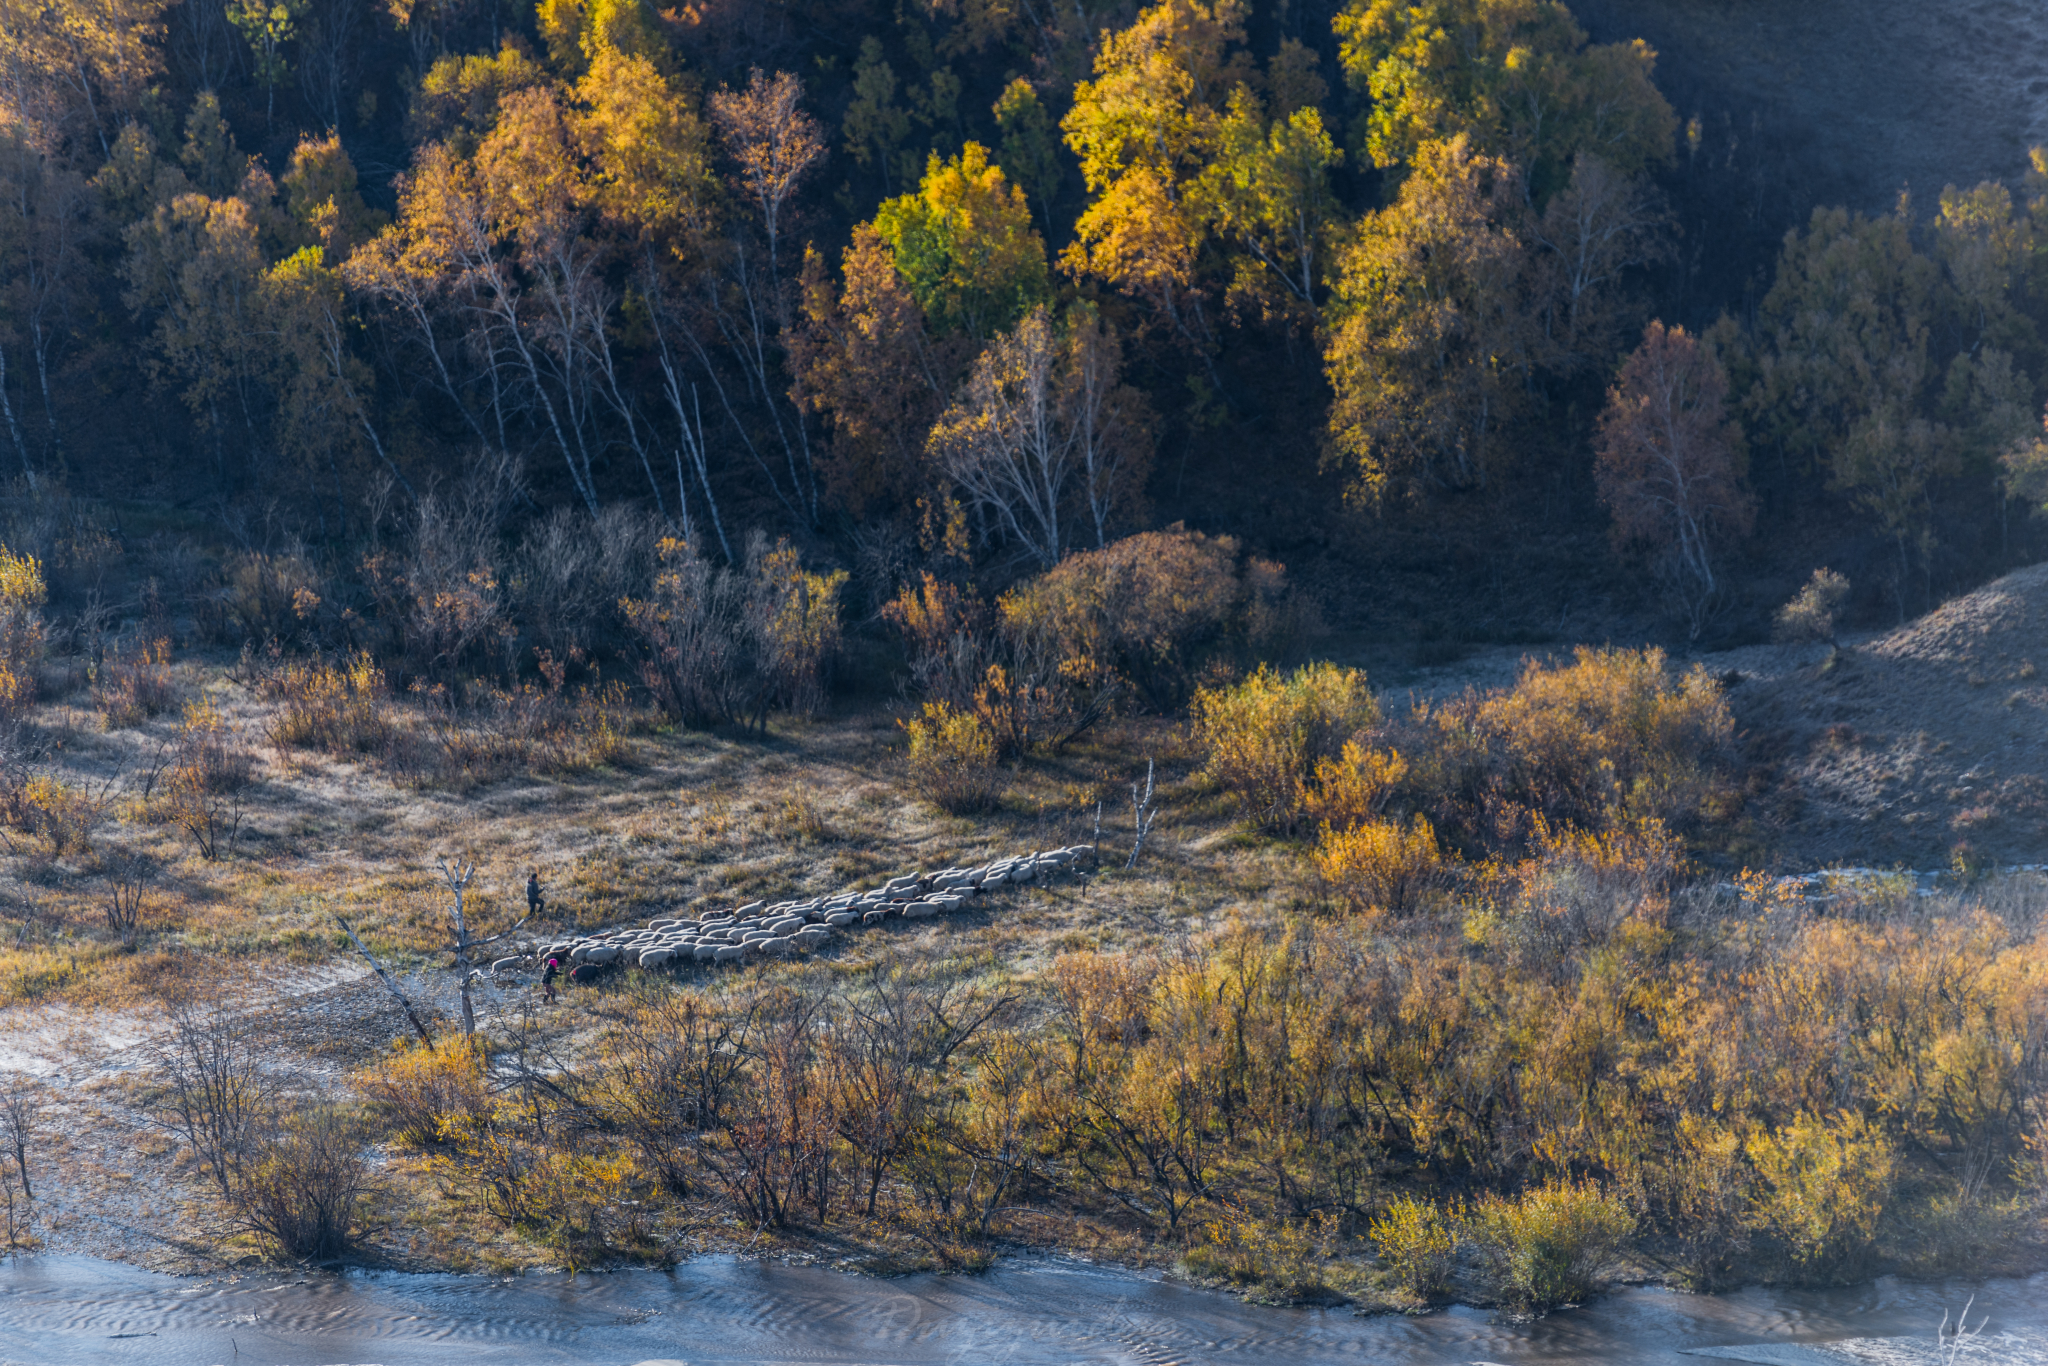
(202, 791)
(289, 1171)
(134, 686)
(18, 1117)
(674, 1070)
(572, 572)
(18, 1124)
(900, 1029)
(724, 646)
(214, 1094)
(69, 536)
(447, 592)
(481, 733)
(778, 1130)
(126, 897)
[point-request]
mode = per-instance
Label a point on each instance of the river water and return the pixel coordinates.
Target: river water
(70, 1311)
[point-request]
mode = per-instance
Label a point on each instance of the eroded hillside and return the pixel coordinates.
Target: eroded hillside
(1897, 748)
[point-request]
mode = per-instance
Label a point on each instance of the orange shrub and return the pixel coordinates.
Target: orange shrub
(1354, 787)
(952, 759)
(431, 1096)
(1610, 738)
(1154, 608)
(1379, 866)
(1266, 737)
(340, 709)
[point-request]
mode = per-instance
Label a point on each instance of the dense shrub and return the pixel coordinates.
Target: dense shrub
(428, 1096)
(1132, 625)
(1283, 1259)
(1417, 1245)
(266, 596)
(1549, 1246)
(1826, 1181)
(446, 593)
(22, 594)
(946, 639)
(571, 573)
(1379, 865)
(1155, 608)
(1611, 737)
(1571, 892)
(1355, 787)
(1265, 737)
(303, 1189)
(135, 687)
(339, 708)
(951, 759)
(43, 806)
(1811, 613)
(1031, 686)
(1219, 1096)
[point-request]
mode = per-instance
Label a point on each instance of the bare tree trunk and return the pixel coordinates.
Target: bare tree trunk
(458, 876)
(14, 431)
(389, 985)
(689, 423)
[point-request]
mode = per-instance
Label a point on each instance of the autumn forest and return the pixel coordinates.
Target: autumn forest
(965, 287)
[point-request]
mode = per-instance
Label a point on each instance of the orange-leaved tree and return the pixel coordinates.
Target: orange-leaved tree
(866, 363)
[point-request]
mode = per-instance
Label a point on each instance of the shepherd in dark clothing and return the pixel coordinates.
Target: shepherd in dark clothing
(535, 902)
(547, 979)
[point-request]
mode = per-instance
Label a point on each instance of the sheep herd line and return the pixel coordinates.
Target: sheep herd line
(787, 927)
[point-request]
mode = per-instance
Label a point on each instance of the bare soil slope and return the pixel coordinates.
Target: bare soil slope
(1894, 749)
(1848, 101)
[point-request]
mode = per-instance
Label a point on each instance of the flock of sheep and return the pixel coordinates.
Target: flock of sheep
(788, 927)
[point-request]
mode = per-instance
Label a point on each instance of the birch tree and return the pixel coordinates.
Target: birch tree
(1668, 463)
(1042, 435)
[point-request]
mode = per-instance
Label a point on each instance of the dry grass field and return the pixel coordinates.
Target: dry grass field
(680, 823)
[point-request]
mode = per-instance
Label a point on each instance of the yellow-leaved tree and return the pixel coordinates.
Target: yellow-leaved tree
(1516, 76)
(1146, 130)
(965, 245)
(1430, 335)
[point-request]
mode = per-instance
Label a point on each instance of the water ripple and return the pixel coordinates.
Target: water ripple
(71, 1311)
